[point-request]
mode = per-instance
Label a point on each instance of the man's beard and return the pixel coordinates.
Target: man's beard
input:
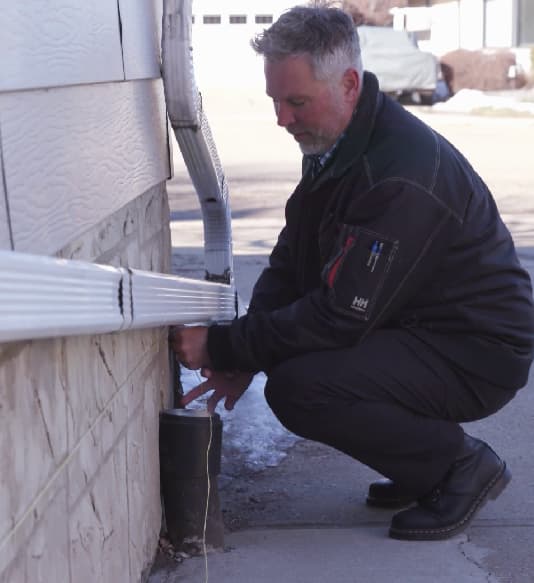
(322, 138)
(319, 145)
(316, 147)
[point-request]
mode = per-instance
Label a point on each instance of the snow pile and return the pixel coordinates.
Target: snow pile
(252, 436)
(472, 100)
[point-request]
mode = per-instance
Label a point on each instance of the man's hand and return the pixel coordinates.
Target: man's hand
(225, 385)
(191, 346)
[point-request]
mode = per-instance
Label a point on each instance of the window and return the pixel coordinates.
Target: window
(421, 35)
(525, 31)
(238, 19)
(211, 19)
(264, 18)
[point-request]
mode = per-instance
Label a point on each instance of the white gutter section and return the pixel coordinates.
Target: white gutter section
(164, 299)
(193, 134)
(43, 297)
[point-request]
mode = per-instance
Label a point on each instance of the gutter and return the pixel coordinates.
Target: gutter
(44, 297)
(193, 134)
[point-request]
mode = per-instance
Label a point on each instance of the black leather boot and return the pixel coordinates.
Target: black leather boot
(386, 494)
(476, 475)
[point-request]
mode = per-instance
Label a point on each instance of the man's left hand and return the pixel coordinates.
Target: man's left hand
(227, 385)
(191, 346)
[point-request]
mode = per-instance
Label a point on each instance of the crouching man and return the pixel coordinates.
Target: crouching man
(394, 306)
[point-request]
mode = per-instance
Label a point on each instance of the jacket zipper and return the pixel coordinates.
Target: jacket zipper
(337, 263)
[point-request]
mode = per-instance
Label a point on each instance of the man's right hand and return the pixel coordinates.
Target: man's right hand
(224, 384)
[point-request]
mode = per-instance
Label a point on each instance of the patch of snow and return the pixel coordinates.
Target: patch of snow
(470, 100)
(252, 436)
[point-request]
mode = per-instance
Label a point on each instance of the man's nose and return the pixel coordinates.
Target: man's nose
(284, 115)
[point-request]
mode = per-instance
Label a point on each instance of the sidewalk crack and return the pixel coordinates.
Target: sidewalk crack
(468, 557)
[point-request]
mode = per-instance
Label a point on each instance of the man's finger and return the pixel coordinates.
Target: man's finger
(195, 393)
(229, 403)
(206, 372)
(214, 400)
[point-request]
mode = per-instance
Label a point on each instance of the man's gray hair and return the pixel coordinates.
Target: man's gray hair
(327, 35)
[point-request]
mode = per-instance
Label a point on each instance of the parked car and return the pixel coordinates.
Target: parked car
(401, 68)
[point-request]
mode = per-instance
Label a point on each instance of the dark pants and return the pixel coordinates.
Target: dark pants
(391, 402)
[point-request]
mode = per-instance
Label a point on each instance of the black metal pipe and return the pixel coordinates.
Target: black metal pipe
(190, 460)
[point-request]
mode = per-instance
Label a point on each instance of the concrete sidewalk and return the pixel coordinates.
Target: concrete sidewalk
(315, 555)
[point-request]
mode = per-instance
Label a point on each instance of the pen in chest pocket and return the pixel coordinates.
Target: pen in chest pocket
(374, 255)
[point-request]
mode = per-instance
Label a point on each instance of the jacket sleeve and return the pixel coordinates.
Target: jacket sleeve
(276, 285)
(384, 253)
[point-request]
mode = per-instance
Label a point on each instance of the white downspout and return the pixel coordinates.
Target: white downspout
(192, 131)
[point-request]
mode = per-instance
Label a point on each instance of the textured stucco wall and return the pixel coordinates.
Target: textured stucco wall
(79, 463)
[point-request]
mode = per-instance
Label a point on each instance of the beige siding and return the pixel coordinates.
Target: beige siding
(141, 37)
(74, 155)
(46, 43)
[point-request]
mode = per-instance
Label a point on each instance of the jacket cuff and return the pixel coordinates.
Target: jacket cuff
(220, 348)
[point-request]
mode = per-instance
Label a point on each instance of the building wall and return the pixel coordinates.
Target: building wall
(525, 23)
(467, 24)
(221, 51)
(83, 166)
(499, 23)
(471, 28)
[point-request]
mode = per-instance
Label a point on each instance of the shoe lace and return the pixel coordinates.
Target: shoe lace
(430, 499)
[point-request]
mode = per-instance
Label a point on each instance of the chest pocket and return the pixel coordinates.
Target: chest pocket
(356, 274)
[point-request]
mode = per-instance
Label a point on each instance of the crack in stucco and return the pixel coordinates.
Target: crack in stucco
(45, 424)
(63, 376)
(93, 504)
(106, 364)
(107, 537)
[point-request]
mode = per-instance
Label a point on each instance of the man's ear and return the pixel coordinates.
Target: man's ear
(351, 84)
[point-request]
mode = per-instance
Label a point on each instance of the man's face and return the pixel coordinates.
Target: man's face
(314, 112)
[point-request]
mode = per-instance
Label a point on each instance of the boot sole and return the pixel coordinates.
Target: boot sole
(491, 492)
(389, 504)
